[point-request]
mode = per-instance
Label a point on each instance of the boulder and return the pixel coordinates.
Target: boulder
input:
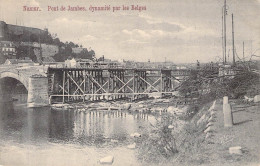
(141, 105)
(257, 98)
(128, 106)
(166, 101)
(235, 150)
(248, 99)
(131, 146)
(176, 111)
(156, 95)
(125, 106)
(107, 160)
(170, 127)
(180, 111)
(114, 140)
(171, 109)
(135, 135)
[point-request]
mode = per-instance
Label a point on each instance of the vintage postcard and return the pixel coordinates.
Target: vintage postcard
(129, 83)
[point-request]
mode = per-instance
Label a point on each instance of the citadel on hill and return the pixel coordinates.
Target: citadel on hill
(28, 44)
(20, 42)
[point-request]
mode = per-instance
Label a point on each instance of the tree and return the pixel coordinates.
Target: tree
(71, 44)
(57, 42)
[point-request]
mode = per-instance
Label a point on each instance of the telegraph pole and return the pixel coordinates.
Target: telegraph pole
(223, 52)
(243, 51)
(233, 42)
(224, 29)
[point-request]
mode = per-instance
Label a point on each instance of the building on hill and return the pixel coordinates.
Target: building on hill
(8, 49)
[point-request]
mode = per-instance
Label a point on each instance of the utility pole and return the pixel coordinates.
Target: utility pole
(224, 29)
(223, 52)
(40, 58)
(233, 42)
(243, 51)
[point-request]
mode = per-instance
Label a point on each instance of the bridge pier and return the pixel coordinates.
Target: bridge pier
(38, 91)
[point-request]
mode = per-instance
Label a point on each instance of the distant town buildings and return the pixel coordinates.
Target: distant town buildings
(71, 63)
(18, 42)
(8, 49)
(18, 61)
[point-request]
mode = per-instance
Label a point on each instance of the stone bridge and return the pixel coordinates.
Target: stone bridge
(33, 78)
(45, 84)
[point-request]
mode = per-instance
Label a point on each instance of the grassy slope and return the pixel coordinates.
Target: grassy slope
(214, 151)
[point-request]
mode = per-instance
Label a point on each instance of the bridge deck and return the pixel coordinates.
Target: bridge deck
(111, 68)
(92, 83)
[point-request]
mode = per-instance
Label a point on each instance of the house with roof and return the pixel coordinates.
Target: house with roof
(8, 49)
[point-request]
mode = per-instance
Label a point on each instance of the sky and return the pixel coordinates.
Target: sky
(180, 31)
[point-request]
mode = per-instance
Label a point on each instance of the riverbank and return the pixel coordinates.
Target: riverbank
(203, 140)
(211, 147)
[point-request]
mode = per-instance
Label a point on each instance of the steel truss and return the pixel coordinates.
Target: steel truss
(84, 84)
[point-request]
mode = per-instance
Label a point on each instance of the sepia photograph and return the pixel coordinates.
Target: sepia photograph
(129, 82)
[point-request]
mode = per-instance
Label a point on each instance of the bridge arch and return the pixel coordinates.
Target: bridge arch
(18, 76)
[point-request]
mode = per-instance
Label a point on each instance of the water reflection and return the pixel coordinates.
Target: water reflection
(27, 134)
(41, 125)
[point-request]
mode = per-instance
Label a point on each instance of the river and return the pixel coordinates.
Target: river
(42, 136)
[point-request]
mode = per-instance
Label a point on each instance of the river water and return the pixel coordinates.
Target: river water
(42, 136)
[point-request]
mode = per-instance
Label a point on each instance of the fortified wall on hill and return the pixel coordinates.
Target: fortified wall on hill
(9, 32)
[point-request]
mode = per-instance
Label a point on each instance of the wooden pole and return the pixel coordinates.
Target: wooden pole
(68, 80)
(63, 87)
(233, 42)
(225, 34)
(161, 81)
(243, 51)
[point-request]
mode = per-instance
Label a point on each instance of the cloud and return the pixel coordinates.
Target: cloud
(154, 21)
(88, 38)
(133, 41)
